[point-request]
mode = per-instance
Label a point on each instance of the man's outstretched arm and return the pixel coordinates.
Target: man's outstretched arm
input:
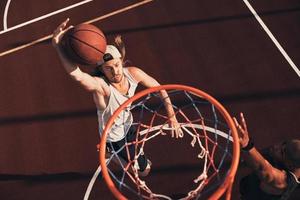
(264, 170)
(85, 80)
(148, 82)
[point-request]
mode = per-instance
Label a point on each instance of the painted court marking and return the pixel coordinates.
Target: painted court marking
(47, 37)
(5, 15)
(6, 29)
(266, 29)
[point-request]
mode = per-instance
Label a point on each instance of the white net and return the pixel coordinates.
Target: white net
(190, 167)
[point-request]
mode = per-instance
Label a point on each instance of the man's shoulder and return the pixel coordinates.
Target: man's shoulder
(133, 69)
(136, 73)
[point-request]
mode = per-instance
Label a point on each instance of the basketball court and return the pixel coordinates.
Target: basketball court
(245, 54)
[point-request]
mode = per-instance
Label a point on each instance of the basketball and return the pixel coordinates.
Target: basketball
(84, 44)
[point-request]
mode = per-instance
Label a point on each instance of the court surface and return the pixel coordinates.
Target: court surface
(48, 125)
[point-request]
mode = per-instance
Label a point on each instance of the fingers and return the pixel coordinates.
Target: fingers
(64, 24)
(235, 122)
(179, 132)
(176, 130)
(69, 28)
(243, 121)
(242, 130)
(173, 133)
(61, 27)
(59, 32)
(238, 126)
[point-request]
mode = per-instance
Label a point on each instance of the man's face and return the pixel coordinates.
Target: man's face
(113, 70)
(279, 153)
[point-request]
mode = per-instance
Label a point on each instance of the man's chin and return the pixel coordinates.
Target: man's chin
(115, 80)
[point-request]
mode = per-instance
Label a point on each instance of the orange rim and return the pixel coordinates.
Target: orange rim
(226, 185)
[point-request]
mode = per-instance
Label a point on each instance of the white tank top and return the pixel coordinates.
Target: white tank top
(123, 122)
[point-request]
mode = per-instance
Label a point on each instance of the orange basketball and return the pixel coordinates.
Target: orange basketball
(84, 44)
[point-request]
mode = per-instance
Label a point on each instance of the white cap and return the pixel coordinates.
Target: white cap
(111, 52)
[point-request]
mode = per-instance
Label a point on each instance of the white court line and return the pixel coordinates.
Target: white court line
(5, 14)
(43, 17)
(280, 48)
(91, 183)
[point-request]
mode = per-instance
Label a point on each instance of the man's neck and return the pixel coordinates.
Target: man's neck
(122, 86)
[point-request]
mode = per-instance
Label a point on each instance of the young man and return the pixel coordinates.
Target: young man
(275, 179)
(112, 89)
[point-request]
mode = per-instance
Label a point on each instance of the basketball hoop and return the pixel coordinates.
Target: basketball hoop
(209, 133)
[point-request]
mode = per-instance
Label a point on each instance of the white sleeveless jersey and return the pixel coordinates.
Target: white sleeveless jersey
(123, 122)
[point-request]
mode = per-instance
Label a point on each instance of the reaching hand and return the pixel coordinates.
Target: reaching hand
(59, 32)
(176, 128)
(242, 131)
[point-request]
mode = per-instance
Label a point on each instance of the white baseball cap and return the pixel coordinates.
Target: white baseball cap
(111, 52)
